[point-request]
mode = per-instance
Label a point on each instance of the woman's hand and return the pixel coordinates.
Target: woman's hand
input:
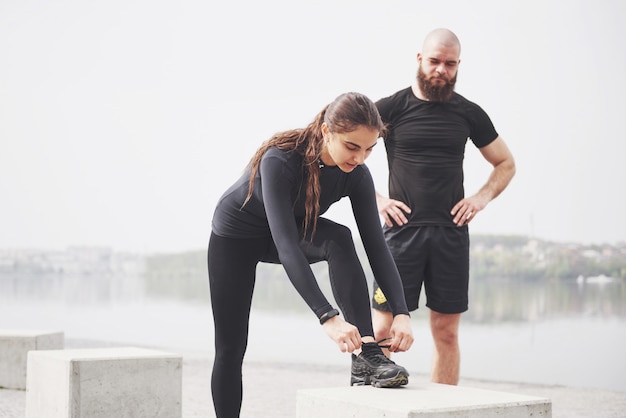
(343, 333)
(401, 334)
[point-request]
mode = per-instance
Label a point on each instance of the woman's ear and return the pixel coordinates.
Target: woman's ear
(324, 129)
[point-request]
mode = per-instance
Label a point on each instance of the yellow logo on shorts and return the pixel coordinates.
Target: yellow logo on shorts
(379, 296)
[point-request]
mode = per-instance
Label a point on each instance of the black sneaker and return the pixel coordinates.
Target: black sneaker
(371, 367)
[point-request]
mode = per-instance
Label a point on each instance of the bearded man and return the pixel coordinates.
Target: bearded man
(427, 214)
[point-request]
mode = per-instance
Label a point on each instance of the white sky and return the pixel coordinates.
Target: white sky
(123, 121)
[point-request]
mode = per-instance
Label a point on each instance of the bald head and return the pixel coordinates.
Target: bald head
(441, 37)
(438, 66)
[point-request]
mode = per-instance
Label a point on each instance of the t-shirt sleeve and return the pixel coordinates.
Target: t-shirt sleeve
(277, 179)
(483, 132)
(363, 201)
(385, 107)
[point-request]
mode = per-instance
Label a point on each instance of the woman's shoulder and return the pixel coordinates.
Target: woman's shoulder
(282, 155)
(283, 160)
(360, 177)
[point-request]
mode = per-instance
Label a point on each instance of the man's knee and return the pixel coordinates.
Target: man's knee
(445, 327)
(446, 337)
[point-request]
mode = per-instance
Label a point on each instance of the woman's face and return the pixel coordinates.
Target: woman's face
(350, 149)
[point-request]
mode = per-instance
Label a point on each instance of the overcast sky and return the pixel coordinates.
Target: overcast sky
(123, 121)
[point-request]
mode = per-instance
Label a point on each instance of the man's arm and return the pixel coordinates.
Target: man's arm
(499, 156)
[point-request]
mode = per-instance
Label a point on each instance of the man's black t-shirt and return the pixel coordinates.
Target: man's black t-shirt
(425, 149)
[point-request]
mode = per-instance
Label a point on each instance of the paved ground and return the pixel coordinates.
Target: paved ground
(270, 391)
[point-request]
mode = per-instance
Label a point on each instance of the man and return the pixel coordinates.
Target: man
(426, 215)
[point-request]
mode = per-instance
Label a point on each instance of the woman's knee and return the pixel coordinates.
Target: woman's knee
(343, 232)
(341, 240)
(332, 231)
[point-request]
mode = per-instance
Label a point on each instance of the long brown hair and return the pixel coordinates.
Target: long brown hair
(345, 114)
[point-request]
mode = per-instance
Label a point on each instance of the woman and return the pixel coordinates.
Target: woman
(272, 214)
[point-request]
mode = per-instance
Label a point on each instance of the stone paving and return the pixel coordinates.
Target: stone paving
(270, 391)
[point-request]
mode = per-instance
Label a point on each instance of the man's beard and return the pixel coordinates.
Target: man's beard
(435, 93)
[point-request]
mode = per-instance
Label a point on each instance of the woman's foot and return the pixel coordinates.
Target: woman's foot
(372, 367)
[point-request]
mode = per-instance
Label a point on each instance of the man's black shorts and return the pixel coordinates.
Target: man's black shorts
(435, 256)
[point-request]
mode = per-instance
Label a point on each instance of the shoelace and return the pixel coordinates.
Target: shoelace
(381, 341)
(376, 356)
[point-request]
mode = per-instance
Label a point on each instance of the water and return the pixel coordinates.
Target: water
(570, 333)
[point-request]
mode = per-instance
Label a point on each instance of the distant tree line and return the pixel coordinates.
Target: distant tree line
(185, 275)
(522, 258)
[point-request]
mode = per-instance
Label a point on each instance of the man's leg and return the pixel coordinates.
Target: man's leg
(447, 355)
(447, 297)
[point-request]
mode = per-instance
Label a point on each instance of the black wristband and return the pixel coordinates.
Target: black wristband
(328, 315)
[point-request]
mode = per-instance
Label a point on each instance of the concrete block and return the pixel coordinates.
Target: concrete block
(121, 382)
(14, 347)
(412, 401)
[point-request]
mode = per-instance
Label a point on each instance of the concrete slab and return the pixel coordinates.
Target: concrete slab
(412, 401)
(14, 348)
(121, 382)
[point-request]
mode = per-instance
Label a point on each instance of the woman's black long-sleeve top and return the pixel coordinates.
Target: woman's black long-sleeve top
(276, 208)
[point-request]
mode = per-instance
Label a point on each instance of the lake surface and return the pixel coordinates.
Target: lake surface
(569, 333)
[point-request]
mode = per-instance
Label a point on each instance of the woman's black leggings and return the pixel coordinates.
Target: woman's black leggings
(232, 274)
